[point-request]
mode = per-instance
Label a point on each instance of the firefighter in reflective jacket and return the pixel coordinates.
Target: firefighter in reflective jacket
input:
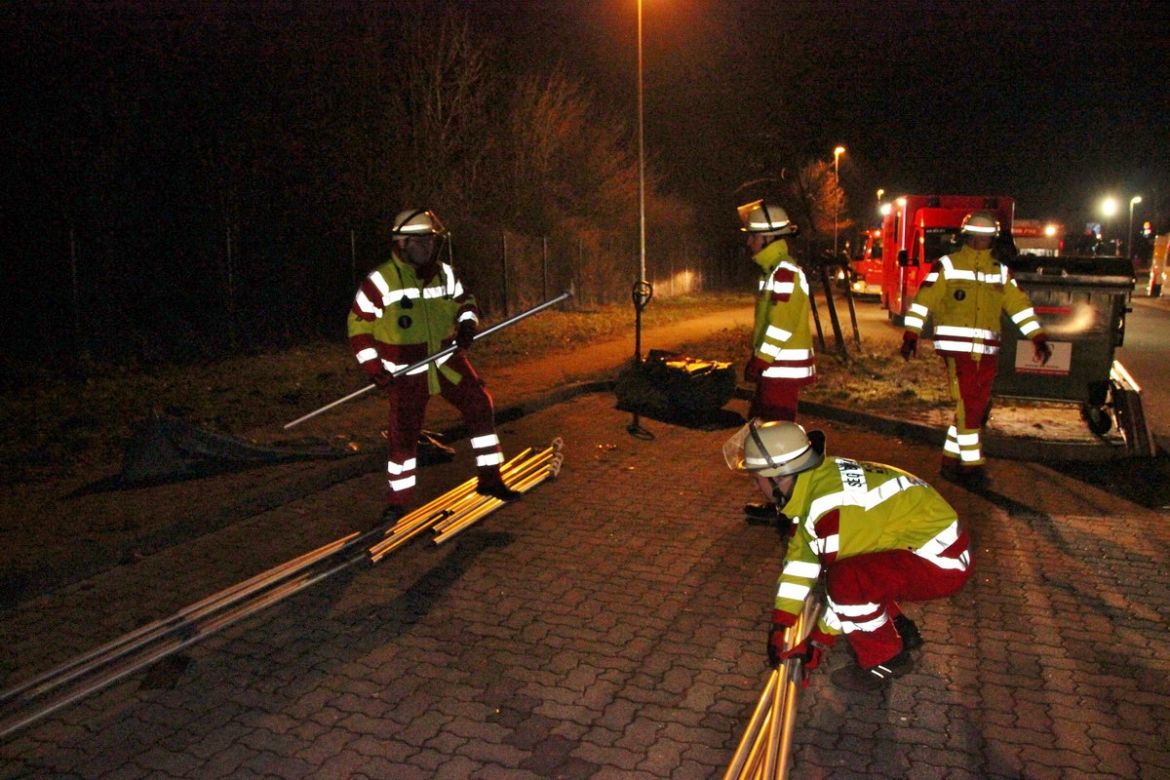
(782, 353)
(965, 292)
(879, 535)
(407, 308)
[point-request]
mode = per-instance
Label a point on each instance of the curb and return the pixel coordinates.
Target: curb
(99, 559)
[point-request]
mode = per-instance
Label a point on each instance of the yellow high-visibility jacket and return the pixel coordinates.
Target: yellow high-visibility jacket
(965, 292)
(400, 316)
(782, 337)
(844, 508)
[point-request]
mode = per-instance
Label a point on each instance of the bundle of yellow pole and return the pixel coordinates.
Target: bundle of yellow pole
(461, 507)
(764, 749)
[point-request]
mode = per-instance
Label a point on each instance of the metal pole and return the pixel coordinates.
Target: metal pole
(352, 259)
(504, 242)
(441, 353)
(641, 161)
(79, 338)
(836, 202)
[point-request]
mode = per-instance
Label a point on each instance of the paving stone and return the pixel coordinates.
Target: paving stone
(620, 638)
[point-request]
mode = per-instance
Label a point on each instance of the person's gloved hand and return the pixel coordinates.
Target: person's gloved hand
(754, 369)
(1043, 350)
(382, 379)
(810, 652)
(465, 334)
(909, 345)
(781, 622)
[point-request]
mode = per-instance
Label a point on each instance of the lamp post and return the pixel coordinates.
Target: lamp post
(1129, 234)
(641, 163)
(837, 152)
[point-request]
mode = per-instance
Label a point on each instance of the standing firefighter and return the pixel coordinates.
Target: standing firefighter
(879, 535)
(782, 354)
(965, 292)
(409, 307)
(782, 358)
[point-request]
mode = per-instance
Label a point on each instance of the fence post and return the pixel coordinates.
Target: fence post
(504, 244)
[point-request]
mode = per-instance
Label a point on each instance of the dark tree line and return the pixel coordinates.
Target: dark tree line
(186, 179)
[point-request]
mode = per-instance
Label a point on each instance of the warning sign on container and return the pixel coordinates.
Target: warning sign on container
(1057, 365)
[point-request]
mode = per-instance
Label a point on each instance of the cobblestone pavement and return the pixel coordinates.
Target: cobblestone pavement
(611, 625)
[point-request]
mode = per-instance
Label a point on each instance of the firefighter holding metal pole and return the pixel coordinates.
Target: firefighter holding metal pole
(782, 358)
(406, 309)
(965, 292)
(878, 535)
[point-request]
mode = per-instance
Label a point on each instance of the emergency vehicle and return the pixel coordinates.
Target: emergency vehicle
(918, 230)
(866, 265)
(1038, 237)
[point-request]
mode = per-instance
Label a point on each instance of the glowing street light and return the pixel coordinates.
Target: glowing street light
(1129, 234)
(1109, 207)
(837, 152)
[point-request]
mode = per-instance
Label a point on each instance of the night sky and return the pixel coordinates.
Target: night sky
(161, 155)
(1055, 103)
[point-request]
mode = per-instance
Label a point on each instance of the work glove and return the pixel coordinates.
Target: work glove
(1043, 350)
(382, 379)
(754, 369)
(909, 345)
(465, 334)
(810, 652)
(781, 621)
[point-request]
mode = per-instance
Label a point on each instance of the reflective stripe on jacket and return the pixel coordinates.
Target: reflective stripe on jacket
(845, 508)
(400, 316)
(782, 336)
(965, 292)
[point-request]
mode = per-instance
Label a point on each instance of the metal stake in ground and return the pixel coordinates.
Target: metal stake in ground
(642, 293)
(441, 353)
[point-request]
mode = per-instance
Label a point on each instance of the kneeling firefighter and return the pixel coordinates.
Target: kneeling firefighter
(879, 535)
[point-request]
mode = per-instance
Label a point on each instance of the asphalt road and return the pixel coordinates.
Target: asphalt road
(1144, 356)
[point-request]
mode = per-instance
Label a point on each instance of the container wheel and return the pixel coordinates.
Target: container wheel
(1097, 418)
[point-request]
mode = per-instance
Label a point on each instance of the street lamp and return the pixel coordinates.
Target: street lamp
(1108, 209)
(837, 152)
(1129, 235)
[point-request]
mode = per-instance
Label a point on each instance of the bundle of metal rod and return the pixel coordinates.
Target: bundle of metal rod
(461, 506)
(534, 471)
(101, 667)
(764, 751)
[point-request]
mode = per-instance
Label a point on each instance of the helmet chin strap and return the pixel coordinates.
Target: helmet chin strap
(778, 495)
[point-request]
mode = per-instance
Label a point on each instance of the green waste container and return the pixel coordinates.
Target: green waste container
(1082, 303)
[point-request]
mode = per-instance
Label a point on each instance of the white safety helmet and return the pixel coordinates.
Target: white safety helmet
(765, 219)
(774, 449)
(417, 222)
(980, 223)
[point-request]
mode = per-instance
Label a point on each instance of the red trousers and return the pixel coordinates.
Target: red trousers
(775, 399)
(970, 383)
(865, 590)
(408, 397)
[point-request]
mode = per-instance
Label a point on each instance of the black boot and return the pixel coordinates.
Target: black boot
(496, 489)
(854, 678)
(908, 630)
(390, 515)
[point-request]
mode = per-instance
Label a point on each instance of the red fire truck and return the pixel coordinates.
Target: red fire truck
(1037, 237)
(866, 265)
(918, 230)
